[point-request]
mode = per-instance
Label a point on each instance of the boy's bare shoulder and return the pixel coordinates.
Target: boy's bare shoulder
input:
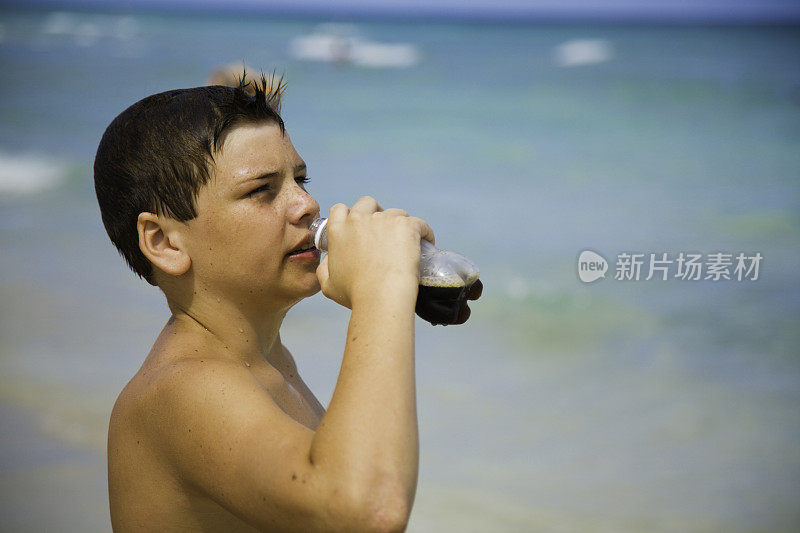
(165, 389)
(179, 411)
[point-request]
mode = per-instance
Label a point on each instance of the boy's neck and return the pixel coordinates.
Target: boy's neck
(237, 335)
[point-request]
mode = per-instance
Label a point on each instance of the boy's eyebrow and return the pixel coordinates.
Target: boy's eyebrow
(271, 174)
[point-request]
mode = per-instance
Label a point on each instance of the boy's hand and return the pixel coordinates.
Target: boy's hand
(370, 252)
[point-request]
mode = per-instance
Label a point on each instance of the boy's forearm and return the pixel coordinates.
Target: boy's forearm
(368, 436)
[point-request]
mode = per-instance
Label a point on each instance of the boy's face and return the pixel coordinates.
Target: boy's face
(253, 212)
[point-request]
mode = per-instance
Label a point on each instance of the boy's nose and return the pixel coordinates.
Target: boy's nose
(303, 206)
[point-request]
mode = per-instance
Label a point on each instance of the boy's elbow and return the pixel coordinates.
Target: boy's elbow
(380, 511)
(391, 517)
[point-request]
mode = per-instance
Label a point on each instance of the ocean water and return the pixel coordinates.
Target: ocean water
(561, 406)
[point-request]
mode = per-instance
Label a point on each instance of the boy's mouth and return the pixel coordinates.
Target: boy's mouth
(300, 250)
(309, 255)
(304, 247)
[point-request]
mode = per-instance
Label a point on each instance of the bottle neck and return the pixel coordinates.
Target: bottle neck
(319, 234)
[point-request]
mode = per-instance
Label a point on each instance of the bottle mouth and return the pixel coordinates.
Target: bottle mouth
(318, 234)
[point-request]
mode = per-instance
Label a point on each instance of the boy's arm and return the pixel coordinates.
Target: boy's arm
(370, 430)
(369, 434)
(358, 471)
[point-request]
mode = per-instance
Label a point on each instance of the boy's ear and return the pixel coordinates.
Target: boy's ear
(161, 242)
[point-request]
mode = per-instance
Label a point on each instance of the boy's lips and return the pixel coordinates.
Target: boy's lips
(303, 247)
(312, 254)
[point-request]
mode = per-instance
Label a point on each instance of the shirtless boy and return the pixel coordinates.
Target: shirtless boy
(203, 194)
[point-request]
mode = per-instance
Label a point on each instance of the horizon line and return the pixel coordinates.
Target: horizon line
(394, 14)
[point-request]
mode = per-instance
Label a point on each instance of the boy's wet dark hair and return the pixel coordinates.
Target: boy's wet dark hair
(155, 155)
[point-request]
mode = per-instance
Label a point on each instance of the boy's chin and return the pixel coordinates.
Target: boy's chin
(313, 289)
(310, 288)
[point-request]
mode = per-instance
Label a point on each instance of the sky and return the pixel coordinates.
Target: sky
(731, 10)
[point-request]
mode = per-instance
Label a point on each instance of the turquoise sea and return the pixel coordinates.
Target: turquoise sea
(612, 406)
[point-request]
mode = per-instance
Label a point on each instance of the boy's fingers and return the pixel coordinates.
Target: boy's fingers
(425, 230)
(396, 212)
(323, 275)
(338, 213)
(366, 205)
(322, 272)
(336, 217)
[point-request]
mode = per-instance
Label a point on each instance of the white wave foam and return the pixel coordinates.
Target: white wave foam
(29, 174)
(86, 30)
(370, 54)
(580, 52)
(58, 23)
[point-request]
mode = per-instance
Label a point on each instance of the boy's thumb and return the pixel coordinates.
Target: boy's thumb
(322, 272)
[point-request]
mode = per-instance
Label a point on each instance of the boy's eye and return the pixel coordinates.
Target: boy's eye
(259, 190)
(302, 180)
